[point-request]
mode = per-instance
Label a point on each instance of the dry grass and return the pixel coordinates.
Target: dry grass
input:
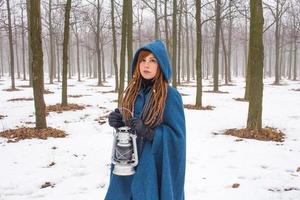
(102, 119)
(78, 95)
(240, 99)
(2, 116)
(217, 92)
(15, 135)
(193, 107)
(47, 184)
(265, 134)
(11, 90)
(21, 99)
(59, 108)
(46, 91)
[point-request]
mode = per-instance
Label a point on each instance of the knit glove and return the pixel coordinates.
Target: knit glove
(115, 119)
(140, 129)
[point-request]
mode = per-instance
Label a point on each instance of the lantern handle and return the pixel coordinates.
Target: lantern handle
(123, 108)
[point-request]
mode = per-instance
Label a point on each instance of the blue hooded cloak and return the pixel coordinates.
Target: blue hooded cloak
(160, 173)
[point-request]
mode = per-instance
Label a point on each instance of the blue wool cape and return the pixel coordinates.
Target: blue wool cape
(160, 173)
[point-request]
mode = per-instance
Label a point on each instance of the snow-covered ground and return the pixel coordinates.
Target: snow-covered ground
(264, 170)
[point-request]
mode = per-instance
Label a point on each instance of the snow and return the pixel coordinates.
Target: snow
(264, 170)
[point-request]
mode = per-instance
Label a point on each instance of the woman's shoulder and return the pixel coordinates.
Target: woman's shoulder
(173, 92)
(173, 97)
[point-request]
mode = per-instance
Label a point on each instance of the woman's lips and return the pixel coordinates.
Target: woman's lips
(146, 72)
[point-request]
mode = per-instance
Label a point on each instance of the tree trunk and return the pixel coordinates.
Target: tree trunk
(225, 57)
(11, 50)
(155, 20)
(198, 54)
(216, 45)
(58, 63)
(187, 44)
(246, 72)
(78, 57)
(122, 53)
(236, 63)
(29, 48)
(98, 44)
(37, 63)
(16, 49)
(166, 26)
(103, 59)
(64, 101)
(230, 40)
(277, 38)
(290, 60)
(69, 65)
(193, 55)
(52, 58)
(255, 63)
(114, 46)
(129, 39)
(281, 56)
(179, 43)
(174, 44)
(270, 60)
(23, 43)
(1, 56)
(295, 59)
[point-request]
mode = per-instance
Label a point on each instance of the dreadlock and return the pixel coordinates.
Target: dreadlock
(153, 111)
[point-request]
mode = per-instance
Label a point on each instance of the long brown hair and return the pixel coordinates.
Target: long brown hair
(153, 109)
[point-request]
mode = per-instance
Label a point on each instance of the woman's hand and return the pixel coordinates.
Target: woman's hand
(115, 119)
(140, 129)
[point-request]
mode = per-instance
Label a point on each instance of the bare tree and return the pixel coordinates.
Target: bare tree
(11, 50)
(178, 46)
(51, 44)
(98, 10)
(277, 14)
(216, 45)
(129, 38)
(153, 7)
(187, 42)
(29, 48)
(122, 52)
(1, 56)
(255, 64)
(37, 63)
(198, 54)
(64, 101)
(174, 43)
(166, 25)
(16, 49)
(114, 40)
(23, 40)
(76, 33)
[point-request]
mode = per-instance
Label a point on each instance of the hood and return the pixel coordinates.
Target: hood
(160, 52)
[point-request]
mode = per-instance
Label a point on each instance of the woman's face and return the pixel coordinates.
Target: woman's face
(148, 67)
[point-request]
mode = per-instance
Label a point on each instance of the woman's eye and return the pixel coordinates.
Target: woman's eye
(153, 61)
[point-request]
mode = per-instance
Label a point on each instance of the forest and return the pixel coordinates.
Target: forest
(65, 65)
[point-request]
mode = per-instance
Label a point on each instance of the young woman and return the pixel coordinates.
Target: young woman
(159, 124)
